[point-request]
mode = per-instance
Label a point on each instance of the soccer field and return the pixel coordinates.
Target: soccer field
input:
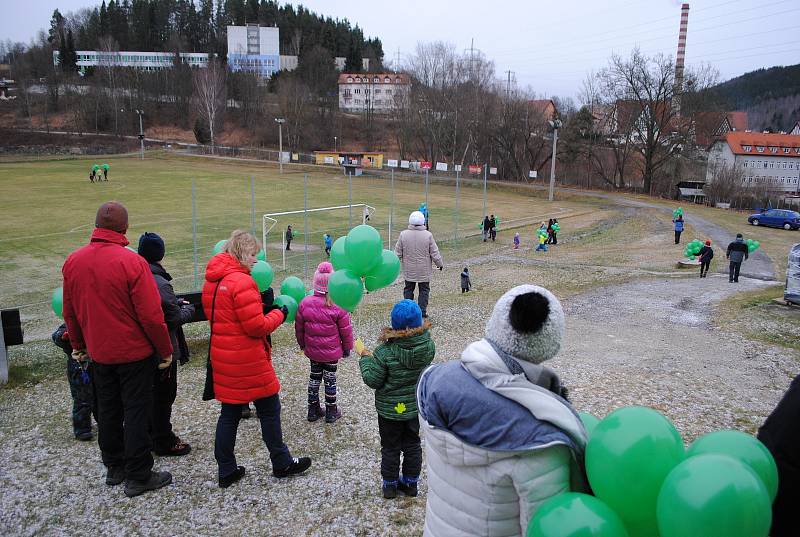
(47, 211)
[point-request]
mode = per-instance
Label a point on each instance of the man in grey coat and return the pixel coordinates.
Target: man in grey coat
(737, 252)
(417, 251)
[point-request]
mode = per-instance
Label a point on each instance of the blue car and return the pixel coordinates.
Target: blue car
(776, 218)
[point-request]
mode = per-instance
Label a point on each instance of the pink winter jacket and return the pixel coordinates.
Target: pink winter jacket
(323, 332)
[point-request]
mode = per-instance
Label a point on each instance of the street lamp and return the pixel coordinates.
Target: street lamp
(335, 147)
(280, 121)
(141, 131)
(554, 125)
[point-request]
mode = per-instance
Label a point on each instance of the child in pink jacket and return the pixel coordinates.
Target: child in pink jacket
(325, 335)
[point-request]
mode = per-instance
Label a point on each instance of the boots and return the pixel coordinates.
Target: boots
(315, 412)
(332, 413)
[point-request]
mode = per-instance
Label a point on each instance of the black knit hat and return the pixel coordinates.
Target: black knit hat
(151, 247)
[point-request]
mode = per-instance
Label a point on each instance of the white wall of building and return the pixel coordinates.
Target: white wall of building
(379, 91)
(778, 172)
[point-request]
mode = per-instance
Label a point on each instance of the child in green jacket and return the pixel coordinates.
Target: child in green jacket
(393, 371)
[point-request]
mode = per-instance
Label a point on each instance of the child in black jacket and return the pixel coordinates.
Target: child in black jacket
(705, 255)
(79, 375)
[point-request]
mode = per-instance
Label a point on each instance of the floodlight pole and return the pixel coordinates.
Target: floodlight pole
(280, 121)
(485, 178)
(141, 132)
(555, 125)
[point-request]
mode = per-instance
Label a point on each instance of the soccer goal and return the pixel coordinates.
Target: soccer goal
(308, 228)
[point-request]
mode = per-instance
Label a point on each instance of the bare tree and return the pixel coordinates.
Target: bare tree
(109, 66)
(209, 92)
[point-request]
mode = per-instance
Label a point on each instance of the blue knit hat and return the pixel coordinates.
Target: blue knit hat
(151, 247)
(406, 314)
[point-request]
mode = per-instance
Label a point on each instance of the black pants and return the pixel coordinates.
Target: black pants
(400, 437)
(555, 238)
(288, 245)
(165, 388)
(268, 411)
(328, 251)
(733, 271)
(124, 408)
(80, 387)
(678, 236)
(422, 297)
(704, 267)
(322, 371)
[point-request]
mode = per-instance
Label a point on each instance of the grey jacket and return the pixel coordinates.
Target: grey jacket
(737, 251)
(417, 251)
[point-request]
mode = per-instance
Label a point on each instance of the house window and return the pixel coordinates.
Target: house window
(350, 79)
(785, 150)
(357, 90)
(387, 80)
(760, 148)
(747, 147)
(376, 79)
(773, 149)
(377, 92)
(397, 80)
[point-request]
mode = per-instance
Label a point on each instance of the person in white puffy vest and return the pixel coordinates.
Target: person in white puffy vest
(501, 437)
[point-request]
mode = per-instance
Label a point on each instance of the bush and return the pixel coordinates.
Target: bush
(201, 132)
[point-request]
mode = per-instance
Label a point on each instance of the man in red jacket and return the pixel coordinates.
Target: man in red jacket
(113, 313)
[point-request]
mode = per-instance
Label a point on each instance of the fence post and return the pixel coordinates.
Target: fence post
(253, 205)
(391, 211)
(485, 177)
(305, 226)
(458, 200)
(350, 197)
(194, 232)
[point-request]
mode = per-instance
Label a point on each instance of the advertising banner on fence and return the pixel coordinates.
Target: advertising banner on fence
(441, 166)
(425, 165)
(392, 163)
(492, 171)
(405, 164)
(457, 167)
(532, 174)
(475, 170)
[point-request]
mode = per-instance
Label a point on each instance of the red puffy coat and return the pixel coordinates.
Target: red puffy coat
(240, 355)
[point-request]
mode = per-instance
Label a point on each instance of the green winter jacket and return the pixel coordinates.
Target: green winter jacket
(394, 369)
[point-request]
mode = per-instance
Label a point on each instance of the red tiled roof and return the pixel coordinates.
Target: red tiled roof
(544, 107)
(370, 78)
(738, 120)
(738, 142)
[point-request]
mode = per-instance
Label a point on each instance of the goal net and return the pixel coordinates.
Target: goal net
(309, 227)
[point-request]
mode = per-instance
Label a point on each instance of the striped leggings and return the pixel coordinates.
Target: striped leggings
(322, 372)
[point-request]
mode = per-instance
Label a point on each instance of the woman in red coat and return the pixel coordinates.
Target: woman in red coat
(241, 358)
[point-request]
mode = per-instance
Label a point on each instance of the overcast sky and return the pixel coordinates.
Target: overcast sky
(548, 45)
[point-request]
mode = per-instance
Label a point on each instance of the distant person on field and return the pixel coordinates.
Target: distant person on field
(466, 283)
(550, 231)
(91, 176)
(289, 237)
(737, 252)
(516, 241)
(555, 231)
(417, 251)
(105, 174)
(501, 437)
(176, 313)
(492, 227)
(79, 376)
(705, 255)
(678, 222)
(114, 316)
(328, 244)
(486, 225)
(325, 336)
(392, 371)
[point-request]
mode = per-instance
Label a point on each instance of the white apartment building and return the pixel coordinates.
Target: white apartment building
(378, 92)
(148, 61)
(254, 49)
(764, 158)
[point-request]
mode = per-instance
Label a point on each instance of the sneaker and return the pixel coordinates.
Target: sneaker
(409, 489)
(315, 412)
(332, 413)
(85, 436)
(389, 490)
(178, 449)
(230, 479)
(154, 482)
(115, 476)
(297, 466)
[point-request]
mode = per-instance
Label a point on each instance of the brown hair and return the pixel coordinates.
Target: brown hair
(240, 244)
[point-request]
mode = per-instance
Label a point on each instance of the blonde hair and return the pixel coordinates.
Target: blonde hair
(240, 244)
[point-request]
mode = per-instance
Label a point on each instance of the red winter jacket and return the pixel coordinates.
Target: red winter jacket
(111, 303)
(323, 332)
(240, 355)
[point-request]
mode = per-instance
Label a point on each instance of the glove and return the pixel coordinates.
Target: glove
(360, 348)
(285, 312)
(165, 362)
(268, 297)
(80, 356)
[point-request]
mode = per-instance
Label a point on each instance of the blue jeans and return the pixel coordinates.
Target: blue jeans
(268, 410)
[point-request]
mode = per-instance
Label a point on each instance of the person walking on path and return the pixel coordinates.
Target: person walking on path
(406, 349)
(678, 222)
(328, 244)
(555, 227)
(705, 255)
(737, 252)
(112, 310)
(501, 437)
(325, 335)
(549, 231)
(486, 227)
(176, 313)
(241, 358)
(418, 251)
(289, 237)
(492, 227)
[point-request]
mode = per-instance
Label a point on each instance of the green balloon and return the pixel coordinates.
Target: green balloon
(345, 289)
(339, 258)
(294, 287)
(363, 248)
(572, 514)
(261, 255)
(744, 448)
(713, 496)
(385, 273)
(630, 453)
(262, 273)
(57, 302)
(291, 305)
(589, 422)
(218, 247)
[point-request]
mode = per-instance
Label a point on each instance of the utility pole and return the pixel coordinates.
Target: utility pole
(280, 121)
(508, 84)
(555, 125)
(397, 61)
(141, 132)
